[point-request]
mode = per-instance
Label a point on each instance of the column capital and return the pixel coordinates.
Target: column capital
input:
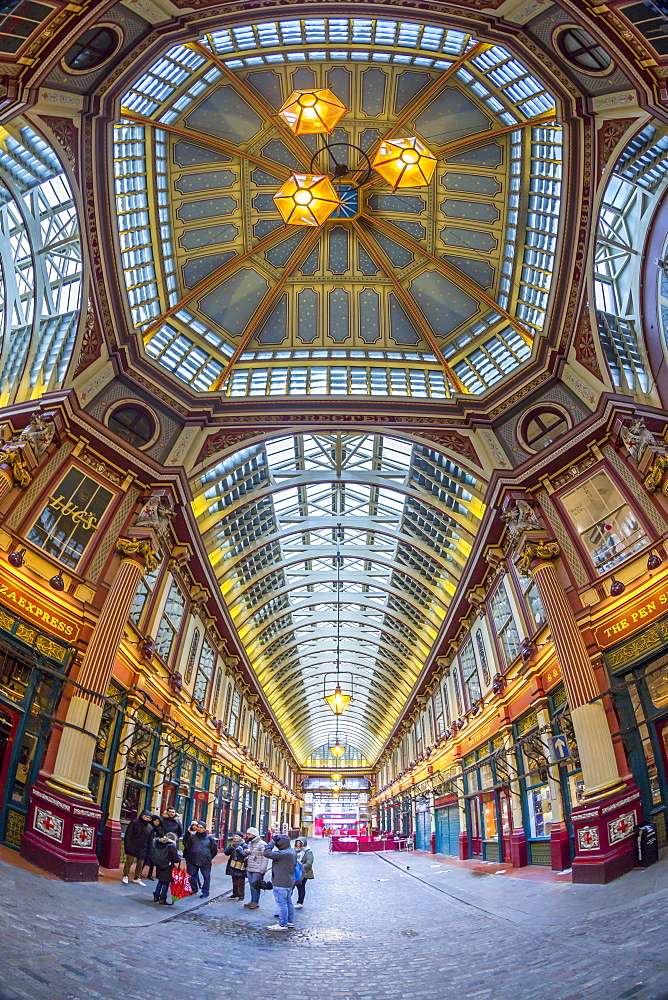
(536, 552)
(142, 547)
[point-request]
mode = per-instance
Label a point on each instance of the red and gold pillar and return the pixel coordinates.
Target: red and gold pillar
(63, 820)
(603, 822)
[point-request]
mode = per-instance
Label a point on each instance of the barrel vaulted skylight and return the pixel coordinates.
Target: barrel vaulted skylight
(269, 516)
(421, 292)
(40, 272)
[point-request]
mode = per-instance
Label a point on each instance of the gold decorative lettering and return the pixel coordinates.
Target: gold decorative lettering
(85, 518)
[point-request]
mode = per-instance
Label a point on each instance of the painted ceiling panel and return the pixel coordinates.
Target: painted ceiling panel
(213, 102)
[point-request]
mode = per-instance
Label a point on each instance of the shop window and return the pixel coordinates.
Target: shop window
(657, 682)
(14, 675)
(542, 426)
(490, 828)
(70, 519)
(608, 528)
(92, 49)
(207, 658)
(532, 601)
(145, 589)
(504, 624)
(133, 424)
(470, 677)
(170, 622)
(539, 803)
(583, 51)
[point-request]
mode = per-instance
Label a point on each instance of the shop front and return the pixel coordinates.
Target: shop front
(423, 819)
(488, 807)
(447, 824)
(33, 668)
(639, 678)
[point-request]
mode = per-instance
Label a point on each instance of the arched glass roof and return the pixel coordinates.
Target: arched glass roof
(270, 518)
(419, 293)
(40, 272)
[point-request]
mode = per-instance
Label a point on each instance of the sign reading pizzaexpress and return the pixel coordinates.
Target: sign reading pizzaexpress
(28, 605)
(635, 616)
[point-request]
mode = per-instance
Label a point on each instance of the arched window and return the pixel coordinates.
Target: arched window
(40, 258)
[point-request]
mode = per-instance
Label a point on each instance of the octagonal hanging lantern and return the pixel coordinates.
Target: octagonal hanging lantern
(309, 112)
(337, 750)
(306, 199)
(404, 162)
(338, 702)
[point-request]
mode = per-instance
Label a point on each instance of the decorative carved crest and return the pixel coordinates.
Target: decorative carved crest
(157, 514)
(636, 438)
(519, 518)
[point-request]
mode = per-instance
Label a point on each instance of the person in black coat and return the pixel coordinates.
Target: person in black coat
(164, 856)
(236, 866)
(202, 849)
(137, 841)
(157, 831)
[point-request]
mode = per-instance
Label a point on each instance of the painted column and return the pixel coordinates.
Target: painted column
(518, 837)
(53, 840)
(603, 822)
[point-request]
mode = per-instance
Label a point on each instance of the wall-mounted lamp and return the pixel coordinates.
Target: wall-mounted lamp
(57, 581)
(616, 587)
(17, 558)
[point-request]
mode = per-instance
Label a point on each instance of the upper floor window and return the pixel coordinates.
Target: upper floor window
(207, 658)
(584, 51)
(441, 714)
(605, 523)
(71, 517)
(470, 674)
(532, 601)
(504, 624)
(170, 623)
(145, 588)
(234, 712)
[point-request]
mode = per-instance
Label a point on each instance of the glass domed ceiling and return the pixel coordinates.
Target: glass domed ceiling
(421, 292)
(274, 516)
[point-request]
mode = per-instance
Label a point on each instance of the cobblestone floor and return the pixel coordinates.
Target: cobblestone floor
(374, 928)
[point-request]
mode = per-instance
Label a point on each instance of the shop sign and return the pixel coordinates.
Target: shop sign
(25, 603)
(635, 617)
(445, 800)
(201, 796)
(551, 676)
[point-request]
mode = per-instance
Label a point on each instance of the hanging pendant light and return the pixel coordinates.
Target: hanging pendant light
(338, 701)
(404, 162)
(312, 112)
(306, 199)
(337, 750)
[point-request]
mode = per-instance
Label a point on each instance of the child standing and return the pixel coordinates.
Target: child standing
(164, 856)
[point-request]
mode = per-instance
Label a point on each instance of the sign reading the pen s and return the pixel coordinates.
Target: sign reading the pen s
(635, 617)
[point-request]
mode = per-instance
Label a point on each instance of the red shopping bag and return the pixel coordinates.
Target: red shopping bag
(180, 887)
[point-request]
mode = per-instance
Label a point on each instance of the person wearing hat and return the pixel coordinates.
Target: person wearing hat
(164, 856)
(256, 865)
(137, 842)
(283, 859)
(237, 852)
(202, 850)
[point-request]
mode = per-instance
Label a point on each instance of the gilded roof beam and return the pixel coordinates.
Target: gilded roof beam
(408, 303)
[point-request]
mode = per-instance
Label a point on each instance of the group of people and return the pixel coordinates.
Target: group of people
(154, 841)
(291, 867)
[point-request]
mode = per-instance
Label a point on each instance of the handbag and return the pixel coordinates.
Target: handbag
(180, 886)
(265, 885)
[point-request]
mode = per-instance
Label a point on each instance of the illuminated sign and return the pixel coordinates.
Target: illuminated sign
(635, 617)
(31, 607)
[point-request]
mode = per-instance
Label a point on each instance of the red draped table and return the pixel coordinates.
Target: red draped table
(359, 845)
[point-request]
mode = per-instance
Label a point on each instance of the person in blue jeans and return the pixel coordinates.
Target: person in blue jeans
(283, 860)
(256, 865)
(201, 852)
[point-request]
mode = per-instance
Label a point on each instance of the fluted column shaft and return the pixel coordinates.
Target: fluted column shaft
(595, 746)
(77, 743)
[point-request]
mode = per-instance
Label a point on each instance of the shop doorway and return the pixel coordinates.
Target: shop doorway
(447, 830)
(423, 831)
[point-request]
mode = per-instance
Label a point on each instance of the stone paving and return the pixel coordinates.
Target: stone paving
(374, 928)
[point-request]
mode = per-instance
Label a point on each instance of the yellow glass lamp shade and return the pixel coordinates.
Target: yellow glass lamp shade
(404, 162)
(309, 112)
(336, 777)
(338, 702)
(337, 750)
(306, 199)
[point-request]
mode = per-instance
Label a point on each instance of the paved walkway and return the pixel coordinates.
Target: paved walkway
(375, 927)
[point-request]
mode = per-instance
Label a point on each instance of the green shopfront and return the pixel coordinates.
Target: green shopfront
(638, 670)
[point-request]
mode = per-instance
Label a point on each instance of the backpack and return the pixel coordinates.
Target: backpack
(299, 871)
